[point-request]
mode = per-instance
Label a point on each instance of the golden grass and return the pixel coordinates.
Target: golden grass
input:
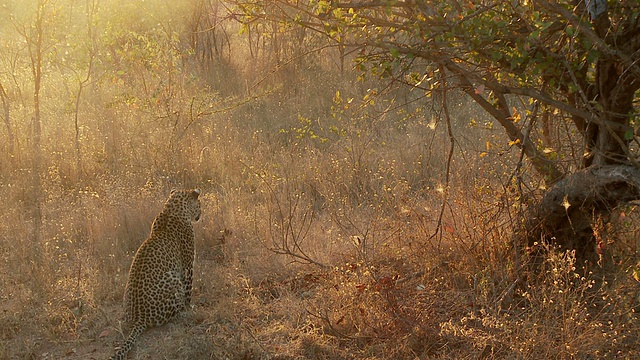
(389, 291)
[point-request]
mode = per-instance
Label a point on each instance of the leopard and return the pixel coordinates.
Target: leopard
(161, 274)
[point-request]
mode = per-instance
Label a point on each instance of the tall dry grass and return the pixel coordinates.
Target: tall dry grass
(315, 243)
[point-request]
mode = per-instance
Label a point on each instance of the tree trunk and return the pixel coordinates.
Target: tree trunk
(34, 38)
(7, 119)
(614, 90)
(567, 212)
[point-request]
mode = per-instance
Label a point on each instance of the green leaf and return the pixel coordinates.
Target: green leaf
(593, 55)
(628, 135)
(569, 30)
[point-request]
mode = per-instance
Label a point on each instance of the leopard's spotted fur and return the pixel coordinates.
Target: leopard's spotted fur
(160, 277)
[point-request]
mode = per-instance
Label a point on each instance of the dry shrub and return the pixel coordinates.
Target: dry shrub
(562, 314)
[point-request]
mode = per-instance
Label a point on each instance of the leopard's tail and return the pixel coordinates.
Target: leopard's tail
(121, 354)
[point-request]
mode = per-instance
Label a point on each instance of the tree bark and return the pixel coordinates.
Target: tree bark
(34, 38)
(567, 212)
(614, 90)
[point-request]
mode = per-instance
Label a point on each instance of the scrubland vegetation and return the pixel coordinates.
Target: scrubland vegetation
(344, 216)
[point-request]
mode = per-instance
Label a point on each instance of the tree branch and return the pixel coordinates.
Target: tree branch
(590, 34)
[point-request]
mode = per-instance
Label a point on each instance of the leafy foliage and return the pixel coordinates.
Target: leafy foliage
(547, 52)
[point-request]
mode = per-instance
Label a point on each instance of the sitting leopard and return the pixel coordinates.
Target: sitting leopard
(159, 285)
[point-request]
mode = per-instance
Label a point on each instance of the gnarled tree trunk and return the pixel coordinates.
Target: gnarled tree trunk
(611, 176)
(566, 212)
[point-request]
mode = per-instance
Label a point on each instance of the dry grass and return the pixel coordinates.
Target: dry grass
(387, 289)
(381, 282)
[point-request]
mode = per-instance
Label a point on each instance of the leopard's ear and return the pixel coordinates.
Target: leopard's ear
(195, 193)
(172, 191)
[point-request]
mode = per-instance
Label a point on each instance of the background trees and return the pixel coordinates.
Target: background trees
(560, 78)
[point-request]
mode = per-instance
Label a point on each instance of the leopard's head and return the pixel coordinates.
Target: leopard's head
(185, 202)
